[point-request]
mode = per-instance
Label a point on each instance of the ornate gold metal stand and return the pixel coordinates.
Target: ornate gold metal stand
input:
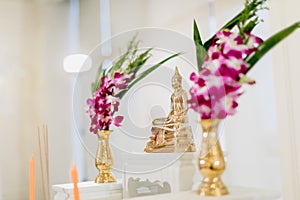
(104, 160)
(211, 160)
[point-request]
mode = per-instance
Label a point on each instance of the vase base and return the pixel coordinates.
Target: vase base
(170, 149)
(105, 178)
(212, 188)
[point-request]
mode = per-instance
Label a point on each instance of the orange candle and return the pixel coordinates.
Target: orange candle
(74, 177)
(32, 180)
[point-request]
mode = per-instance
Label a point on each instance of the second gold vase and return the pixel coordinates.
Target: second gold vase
(211, 160)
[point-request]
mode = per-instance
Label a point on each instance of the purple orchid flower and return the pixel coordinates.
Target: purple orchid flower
(218, 85)
(104, 103)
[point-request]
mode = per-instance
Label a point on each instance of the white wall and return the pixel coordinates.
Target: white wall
(22, 106)
(286, 65)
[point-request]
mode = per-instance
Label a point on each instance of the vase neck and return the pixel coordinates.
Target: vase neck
(103, 134)
(209, 125)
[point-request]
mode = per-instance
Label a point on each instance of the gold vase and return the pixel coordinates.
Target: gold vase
(211, 160)
(104, 160)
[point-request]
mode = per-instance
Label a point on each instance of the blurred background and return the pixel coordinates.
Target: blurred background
(261, 142)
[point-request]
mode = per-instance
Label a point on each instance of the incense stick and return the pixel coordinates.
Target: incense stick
(44, 160)
(41, 163)
(47, 163)
(32, 180)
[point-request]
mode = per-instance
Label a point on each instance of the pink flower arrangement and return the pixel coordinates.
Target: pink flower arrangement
(104, 103)
(112, 83)
(225, 59)
(218, 85)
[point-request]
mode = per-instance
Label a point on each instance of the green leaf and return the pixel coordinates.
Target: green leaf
(249, 10)
(145, 73)
(200, 50)
(201, 53)
(131, 51)
(269, 44)
(197, 37)
(136, 64)
(119, 63)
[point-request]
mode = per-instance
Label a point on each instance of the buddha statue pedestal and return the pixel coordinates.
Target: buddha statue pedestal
(173, 133)
(90, 191)
(169, 141)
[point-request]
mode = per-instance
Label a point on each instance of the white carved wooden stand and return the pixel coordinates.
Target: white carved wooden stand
(179, 174)
(89, 191)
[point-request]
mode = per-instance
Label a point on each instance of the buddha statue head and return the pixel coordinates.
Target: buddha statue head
(176, 80)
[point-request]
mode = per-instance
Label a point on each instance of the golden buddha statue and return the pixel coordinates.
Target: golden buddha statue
(173, 133)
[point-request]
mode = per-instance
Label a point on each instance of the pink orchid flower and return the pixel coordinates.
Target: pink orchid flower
(104, 103)
(218, 85)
